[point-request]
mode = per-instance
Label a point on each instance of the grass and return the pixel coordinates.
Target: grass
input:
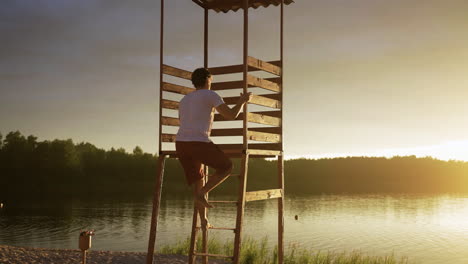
(257, 252)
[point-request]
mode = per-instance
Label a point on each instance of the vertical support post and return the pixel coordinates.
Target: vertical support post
(205, 63)
(161, 61)
(281, 210)
(156, 205)
(281, 157)
(246, 70)
(205, 228)
(240, 207)
(83, 257)
(205, 40)
(193, 237)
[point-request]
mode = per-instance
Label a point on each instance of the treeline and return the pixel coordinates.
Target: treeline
(60, 168)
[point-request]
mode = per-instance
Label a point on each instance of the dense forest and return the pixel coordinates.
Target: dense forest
(60, 168)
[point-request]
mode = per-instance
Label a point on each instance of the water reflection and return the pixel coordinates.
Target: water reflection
(427, 228)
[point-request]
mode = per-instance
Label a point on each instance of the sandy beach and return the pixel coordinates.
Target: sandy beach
(22, 255)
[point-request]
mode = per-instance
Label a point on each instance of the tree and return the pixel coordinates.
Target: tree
(137, 151)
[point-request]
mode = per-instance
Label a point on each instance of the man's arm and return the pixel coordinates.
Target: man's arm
(232, 113)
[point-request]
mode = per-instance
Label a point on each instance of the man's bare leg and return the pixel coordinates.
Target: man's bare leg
(201, 208)
(213, 181)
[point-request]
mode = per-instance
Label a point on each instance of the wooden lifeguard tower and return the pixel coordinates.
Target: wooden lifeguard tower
(261, 131)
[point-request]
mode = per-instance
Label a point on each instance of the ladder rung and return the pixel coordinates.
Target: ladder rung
(219, 228)
(213, 255)
(223, 228)
(263, 195)
(235, 202)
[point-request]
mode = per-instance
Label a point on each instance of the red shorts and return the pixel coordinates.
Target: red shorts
(192, 154)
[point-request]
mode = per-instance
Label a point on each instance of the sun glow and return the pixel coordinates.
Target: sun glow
(451, 150)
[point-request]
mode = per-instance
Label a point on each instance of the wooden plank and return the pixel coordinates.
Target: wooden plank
(263, 195)
(218, 86)
(262, 136)
(262, 83)
(263, 119)
(230, 69)
(234, 99)
(225, 202)
(261, 146)
(273, 82)
(169, 104)
(173, 71)
(264, 66)
(257, 100)
(274, 130)
(219, 117)
(258, 135)
(170, 121)
(264, 153)
(220, 132)
(226, 132)
(174, 88)
(231, 153)
(168, 137)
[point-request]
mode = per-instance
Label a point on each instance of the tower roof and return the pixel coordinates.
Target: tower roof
(234, 5)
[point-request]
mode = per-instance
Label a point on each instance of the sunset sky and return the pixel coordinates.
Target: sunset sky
(362, 77)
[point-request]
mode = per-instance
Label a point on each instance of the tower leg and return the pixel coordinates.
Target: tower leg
(281, 210)
(156, 204)
(193, 237)
(205, 228)
(240, 207)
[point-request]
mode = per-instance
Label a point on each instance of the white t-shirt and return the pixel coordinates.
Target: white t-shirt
(196, 112)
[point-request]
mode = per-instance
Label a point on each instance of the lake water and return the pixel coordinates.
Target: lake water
(427, 229)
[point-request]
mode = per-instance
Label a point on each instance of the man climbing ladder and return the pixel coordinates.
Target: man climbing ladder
(193, 145)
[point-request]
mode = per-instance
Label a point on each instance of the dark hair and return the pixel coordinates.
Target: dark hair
(199, 77)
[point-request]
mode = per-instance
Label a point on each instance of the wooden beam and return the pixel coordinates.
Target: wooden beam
(220, 70)
(226, 132)
(168, 137)
(265, 101)
(173, 71)
(257, 100)
(226, 85)
(264, 66)
(274, 130)
(174, 88)
(169, 104)
(219, 117)
(264, 153)
(262, 136)
(169, 121)
(263, 119)
(262, 83)
(261, 146)
(229, 132)
(270, 84)
(263, 195)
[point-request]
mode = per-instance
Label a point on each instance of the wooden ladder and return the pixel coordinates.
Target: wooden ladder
(243, 197)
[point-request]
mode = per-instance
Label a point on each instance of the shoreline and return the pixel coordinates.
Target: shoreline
(31, 255)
